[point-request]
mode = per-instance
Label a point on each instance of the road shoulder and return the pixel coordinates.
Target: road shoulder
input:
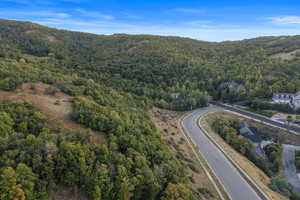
(169, 125)
(256, 174)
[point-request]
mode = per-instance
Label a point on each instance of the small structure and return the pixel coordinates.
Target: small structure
(175, 95)
(254, 136)
(249, 132)
(296, 100)
(231, 85)
(244, 129)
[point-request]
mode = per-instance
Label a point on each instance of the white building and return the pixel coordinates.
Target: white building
(287, 98)
(282, 98)
(296, 101)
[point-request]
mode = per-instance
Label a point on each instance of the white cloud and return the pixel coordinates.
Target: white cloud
(33, 14)
(83, 24)
(18, 1)
(209, 33)
(285, 20)
(99, 23)
(31, 2)
(190, 10)
(94, 14)
(43, 2)
(199, 23)
(63, 15)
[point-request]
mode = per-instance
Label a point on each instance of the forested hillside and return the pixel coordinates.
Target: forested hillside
(155, 66)
(113, 81)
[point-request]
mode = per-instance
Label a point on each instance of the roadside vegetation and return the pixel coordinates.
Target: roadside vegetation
(271, 166)
(255, 170)
(168, 122)
(264, 108)
(297, 159)
(228, 131)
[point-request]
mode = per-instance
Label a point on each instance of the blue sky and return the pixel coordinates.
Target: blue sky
(203, 20)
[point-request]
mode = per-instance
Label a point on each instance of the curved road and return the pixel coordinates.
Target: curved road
(236, 186)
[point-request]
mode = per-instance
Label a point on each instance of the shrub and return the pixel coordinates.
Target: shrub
(281, 186)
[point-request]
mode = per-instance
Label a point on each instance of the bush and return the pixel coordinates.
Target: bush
(281, 186)
(274, 154)
(9, 84)
(297, 159)
(258, 105)
(51, 90)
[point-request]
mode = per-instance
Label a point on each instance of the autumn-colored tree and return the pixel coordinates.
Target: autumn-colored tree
(9, 189)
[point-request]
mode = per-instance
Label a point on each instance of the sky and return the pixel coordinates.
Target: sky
(209, 20)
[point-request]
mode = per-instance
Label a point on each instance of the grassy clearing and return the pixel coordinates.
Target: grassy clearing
(57, 106)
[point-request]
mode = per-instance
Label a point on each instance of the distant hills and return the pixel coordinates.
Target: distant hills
(156, 65)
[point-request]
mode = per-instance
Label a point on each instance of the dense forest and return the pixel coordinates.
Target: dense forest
(132, 164)
(155, 66)
(114, 80)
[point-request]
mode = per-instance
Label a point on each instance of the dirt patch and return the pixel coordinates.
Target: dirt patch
(57, 107)
(258, 175)
(167, 124)
(286, 56)
(47, 37)
(51, 38)
(66, 194)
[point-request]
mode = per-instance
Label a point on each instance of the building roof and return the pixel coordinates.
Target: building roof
(249, 132)
(283, 95)
(243, 125)
(175, 95)
(297, 95)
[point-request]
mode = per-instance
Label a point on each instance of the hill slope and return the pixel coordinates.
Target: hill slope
(113, 81)
(155, 66)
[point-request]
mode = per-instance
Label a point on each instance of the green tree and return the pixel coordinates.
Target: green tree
(177, 192)
(9, 189)
(6, 124)
(27, 179)
(123, 187)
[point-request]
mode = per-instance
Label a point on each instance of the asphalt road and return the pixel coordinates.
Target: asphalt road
(288, 150)
(295, 129)
(236, 186)
(289, 166)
